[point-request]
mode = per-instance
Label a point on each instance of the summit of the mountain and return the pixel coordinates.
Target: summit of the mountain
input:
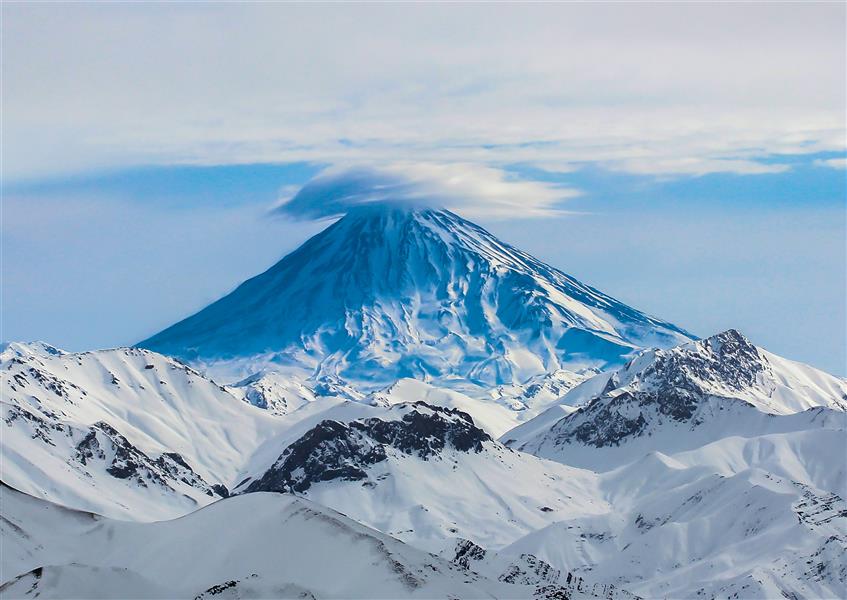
(388, 292)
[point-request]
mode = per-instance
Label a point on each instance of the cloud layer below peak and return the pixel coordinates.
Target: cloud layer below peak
(470, 189)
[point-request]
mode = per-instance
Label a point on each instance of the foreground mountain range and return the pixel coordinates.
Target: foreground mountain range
(406, 407)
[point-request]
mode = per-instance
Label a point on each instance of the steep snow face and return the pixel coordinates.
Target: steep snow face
(256, 546)
(389, 292)
(125, 432)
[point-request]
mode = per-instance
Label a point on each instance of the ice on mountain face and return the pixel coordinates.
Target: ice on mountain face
(388, 292)
(705, 469)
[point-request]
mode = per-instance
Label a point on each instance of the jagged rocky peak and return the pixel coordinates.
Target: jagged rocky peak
(344, 451)
(691, 384)
(727, 360)
(388, 292)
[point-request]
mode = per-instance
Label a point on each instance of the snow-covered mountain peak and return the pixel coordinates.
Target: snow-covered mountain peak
(729, 365)
(714, 386)
(725, 363)
(389, 292)
(9, 350)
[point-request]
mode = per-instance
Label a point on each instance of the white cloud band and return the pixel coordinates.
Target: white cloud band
(662, 88)
(473, 190)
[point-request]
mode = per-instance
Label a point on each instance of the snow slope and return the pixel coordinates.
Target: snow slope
(277, 393)
(389, 292)
(682, 531)
(254, 546)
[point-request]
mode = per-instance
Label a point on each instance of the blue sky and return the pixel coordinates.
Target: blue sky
(692, 166)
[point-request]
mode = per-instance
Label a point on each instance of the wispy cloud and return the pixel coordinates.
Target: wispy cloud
(473, 190)
(697, 166)
(832, 163)
(661, 88)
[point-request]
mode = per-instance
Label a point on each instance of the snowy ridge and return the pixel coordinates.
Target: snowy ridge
(721, 473)
(126, 432)
(389, 292)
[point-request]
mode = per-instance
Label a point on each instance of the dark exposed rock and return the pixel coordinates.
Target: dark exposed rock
(816, 509)
(333, 450)
(426, 434)
(125, 461)
(551, 592)
(35, 575)
(41, 428)
(466, 552)
(607, 426)
(530, 570)
(328, 451)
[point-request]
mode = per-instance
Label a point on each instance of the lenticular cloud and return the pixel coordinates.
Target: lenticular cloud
(473, 190)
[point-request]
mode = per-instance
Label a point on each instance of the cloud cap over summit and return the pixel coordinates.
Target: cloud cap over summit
(473, 190)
